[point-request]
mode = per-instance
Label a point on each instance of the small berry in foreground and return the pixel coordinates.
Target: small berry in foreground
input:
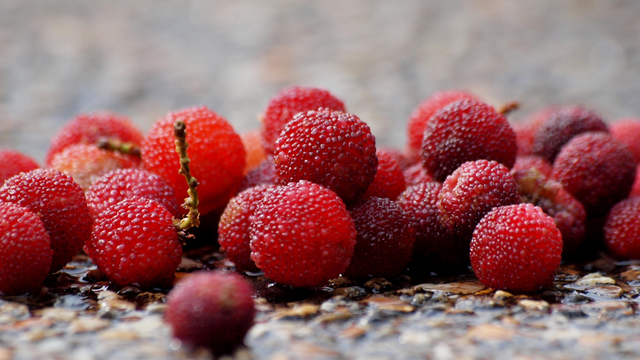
(25, 250)
(516, 248)
(13, 163)
(330, 148)
(283, 107)
(211, 309)
(135, 242)
(302, 235)
(384, 244)
(389, 180)
(622, 229)
(60, 203)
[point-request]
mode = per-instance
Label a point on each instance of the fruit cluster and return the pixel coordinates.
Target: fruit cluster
(309, 197)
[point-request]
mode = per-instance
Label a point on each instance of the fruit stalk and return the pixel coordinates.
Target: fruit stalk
(191, 203)
(127, 148)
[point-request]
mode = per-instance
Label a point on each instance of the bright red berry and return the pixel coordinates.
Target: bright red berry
(302, 235)
(330, 148)
(466, 130)
(596, 169)
(211, 309)
(389, 180)
(288, 103)
(13, 163)
(384, 244)
(25, 250)
(516, 248)
(125, 183)
(216, 152)
(252, 141)
(134, 242)
(627, 131)
(61, 205)
(89, 129)
(622, 229)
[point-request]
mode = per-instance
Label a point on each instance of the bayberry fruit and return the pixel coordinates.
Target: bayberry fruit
(264, 174)
(627, 131)
(622, 229)
(252, 142)
(389, 180)
(13, 163)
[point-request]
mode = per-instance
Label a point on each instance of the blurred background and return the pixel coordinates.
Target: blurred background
(144, 58)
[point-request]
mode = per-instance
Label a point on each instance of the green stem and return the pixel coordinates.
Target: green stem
(119, 146)
(191, 203)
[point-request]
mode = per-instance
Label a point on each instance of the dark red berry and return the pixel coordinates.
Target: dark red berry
(134, 242)
(416, 174)
(389, 180)
(302, 235)
(466, 130)
(25, 250)
(384, 244)
(330, 148)
(61, 205)
(288, 103)
(211, 309)
(13, 163)
(264, 174)
(622, 229)
(516, 248)
(526, 130)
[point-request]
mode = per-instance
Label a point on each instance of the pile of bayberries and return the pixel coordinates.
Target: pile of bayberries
(309, 197)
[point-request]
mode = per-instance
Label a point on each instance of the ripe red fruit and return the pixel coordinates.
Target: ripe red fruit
(473, 190)
(466, 130)
(302, 235)
(61, 205)
(627, 131)
(216, 152)
(425, 111)
(288, 103)
(529, 162)
(233, 229)
(211, 309)
(264, 174)
(516, 248)
(252, 142)
(134, 242)
(622, 229)
(89, 129)
(416, 174)
(384, 243)
(526, 130)
(13, 163)
(329, 148)
(125, 183)
(88, 163)
(25, 250)
(596, 169)
(389, 180)
(562, 125)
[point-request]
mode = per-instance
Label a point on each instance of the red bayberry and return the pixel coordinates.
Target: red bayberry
(89, 129)
(596, 169)
(384, 244)
(61, 205)
(288, 103)
(13, 163)
(252, 142)
(264, 174)
(627, 131)
(516, 248)
(233, 229)
(211, 309)
(416, 174)
(622, 229)
(216, 152)
(466, 130)
(135, 242)
(125, 183)
(329, 148)
(302, 235)
(25, 250)
(532, 162)
(389, 180)
(526, 130)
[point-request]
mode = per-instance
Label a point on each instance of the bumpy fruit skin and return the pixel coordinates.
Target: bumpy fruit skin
(384, 244)
(264, 174)
(25, 250)
(330, 148)
(13, 163)
(516, 248)
(473, 190)
(211, 309)
(302, 235)
(88, 163)
(562, 125)
(436, 247)
(88, 129)
(416, 174)
(526, 130)
(134, 242)
(596, 169)
(216, 152)
(635, 189)
(627, 131)
(529, 162)
(425, 111)
(288, 103)
(622, 229)
(61, 205)
(389, 180)
(464, 131)
(125, 183)
(252, 142)
(233, 229)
